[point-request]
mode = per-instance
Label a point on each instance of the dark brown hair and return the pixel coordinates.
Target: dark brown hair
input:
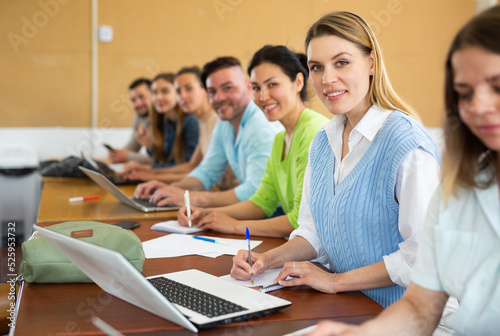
(140, 81)
(217, 64)
(195, 70)
(289, 62)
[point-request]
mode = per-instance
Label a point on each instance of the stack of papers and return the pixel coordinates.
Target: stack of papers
(176, 245)
(174, 227)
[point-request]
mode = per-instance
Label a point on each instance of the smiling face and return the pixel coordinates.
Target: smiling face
(190, 93)
(229, 92)
(141, 99)
(477, 84)
(163, 95)
(274, 92)
(340, 74)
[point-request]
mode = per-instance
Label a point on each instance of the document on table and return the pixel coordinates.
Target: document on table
(174, 227)
(176, 245)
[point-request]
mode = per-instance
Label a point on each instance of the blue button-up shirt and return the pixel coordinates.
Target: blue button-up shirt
(247, 155)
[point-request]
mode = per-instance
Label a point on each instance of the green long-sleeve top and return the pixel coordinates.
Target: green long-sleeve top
(282, 181)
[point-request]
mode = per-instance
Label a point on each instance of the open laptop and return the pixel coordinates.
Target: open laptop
(109, 173)
(138, 204)
(114, 274)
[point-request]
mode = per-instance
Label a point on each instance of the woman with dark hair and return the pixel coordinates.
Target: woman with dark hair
(278, 78)
(371, 173)
(459, 253)
(174, 133)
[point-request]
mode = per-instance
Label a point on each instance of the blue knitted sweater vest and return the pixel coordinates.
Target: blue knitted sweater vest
(357, 220)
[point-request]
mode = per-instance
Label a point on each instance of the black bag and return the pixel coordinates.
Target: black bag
(69, 167)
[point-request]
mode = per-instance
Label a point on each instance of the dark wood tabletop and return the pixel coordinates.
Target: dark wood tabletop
(66, 309)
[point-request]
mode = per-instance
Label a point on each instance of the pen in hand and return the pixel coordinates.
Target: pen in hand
(249, 253)
(188, 206)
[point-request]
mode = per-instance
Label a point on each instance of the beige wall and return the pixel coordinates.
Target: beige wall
(45, 48)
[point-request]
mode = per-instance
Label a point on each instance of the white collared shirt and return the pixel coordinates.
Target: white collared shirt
(416, 181)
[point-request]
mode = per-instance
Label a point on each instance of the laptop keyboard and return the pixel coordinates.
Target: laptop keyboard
(194, 299)
(146, 203)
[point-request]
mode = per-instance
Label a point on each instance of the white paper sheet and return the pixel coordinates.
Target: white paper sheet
(174, 227)
(175, 245)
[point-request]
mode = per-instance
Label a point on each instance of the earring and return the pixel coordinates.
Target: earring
(371, 73)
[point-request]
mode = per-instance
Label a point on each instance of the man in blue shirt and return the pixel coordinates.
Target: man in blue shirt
(242, 138)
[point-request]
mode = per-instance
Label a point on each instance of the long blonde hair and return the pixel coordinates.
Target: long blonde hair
(466, 156)
(159, 132)
(353, 28)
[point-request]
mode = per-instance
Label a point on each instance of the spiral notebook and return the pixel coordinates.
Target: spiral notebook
(264, 282)
(270, 287)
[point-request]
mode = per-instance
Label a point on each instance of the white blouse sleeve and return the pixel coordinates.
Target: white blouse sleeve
(307, 229)
(416, 182)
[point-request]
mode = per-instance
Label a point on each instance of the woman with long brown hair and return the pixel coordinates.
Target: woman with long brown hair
(174, 134)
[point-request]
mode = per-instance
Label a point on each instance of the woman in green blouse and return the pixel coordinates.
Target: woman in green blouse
(278, 77)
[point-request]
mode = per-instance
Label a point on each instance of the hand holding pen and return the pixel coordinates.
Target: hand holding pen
(241, 269)
(196, 215)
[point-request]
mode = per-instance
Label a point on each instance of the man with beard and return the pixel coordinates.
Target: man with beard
(140, 97)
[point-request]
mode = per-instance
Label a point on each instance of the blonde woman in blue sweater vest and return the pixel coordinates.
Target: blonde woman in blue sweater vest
(459, 253)
(371, 173)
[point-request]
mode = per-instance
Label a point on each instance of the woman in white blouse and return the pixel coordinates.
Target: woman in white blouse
(371, 173)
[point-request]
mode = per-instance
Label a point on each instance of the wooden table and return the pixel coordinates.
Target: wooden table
(55, 206)
(57, 309)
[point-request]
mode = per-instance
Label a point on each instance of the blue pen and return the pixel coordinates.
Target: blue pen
(210, 240)
(249, 253)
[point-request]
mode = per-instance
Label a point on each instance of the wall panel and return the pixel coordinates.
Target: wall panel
(45, 79)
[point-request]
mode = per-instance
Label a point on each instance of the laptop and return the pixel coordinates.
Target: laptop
(138, 204)
(114, 274)
(109, 173)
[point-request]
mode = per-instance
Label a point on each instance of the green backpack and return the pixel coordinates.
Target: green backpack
(42, 262)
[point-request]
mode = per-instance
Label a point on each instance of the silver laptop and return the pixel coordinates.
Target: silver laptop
(109, 173)
(114, 274)
(138, 204)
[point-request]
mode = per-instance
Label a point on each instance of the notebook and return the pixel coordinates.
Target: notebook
(270, 287)
(114, 274)
(174, 227)
(263, 282)
(138, 204)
